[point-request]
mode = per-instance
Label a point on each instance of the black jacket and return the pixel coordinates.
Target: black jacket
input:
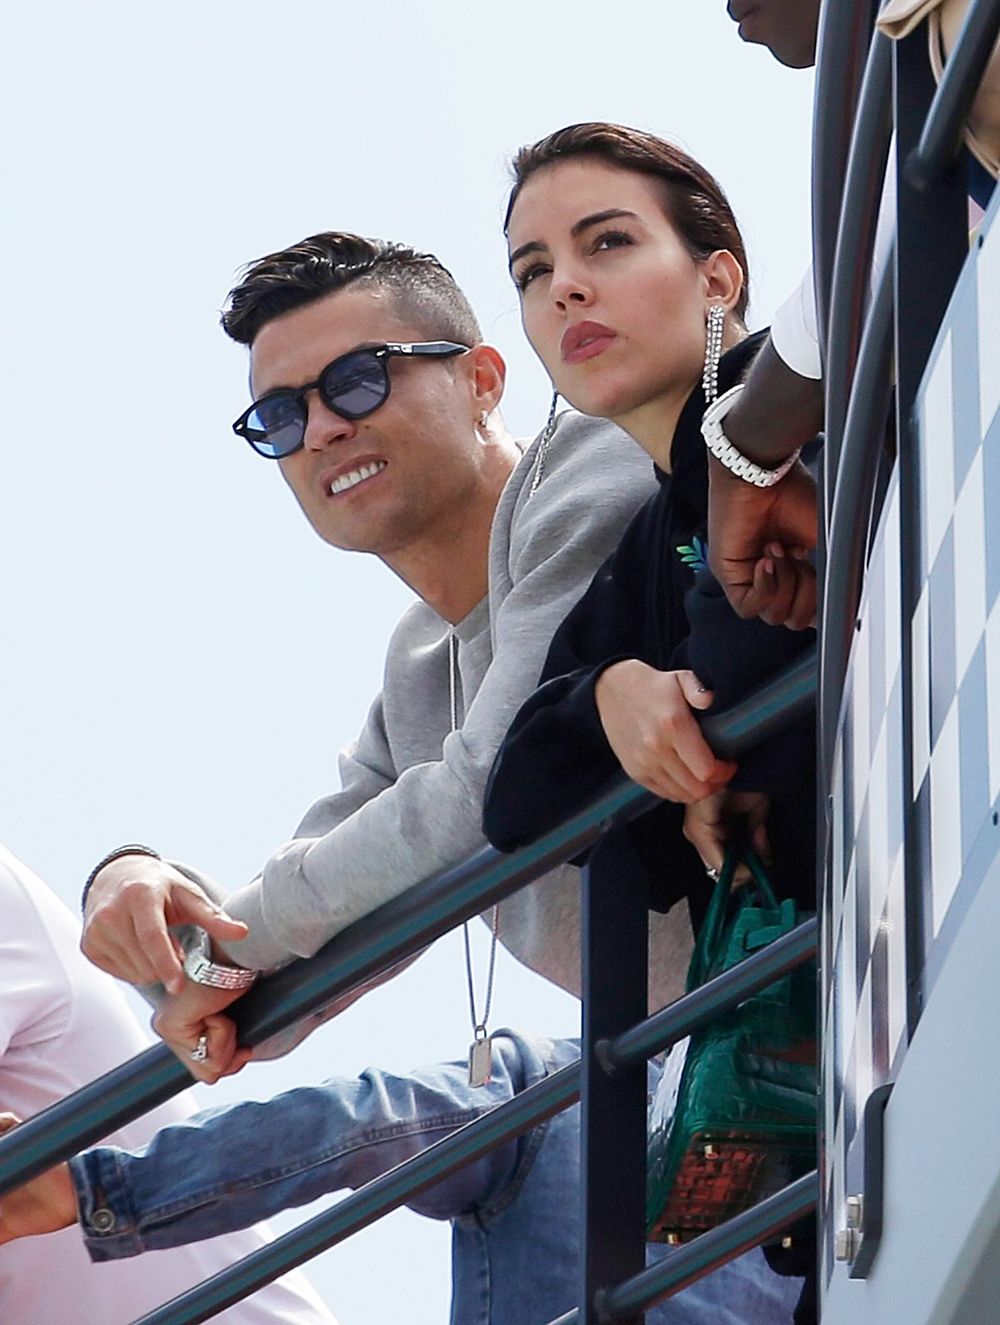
(655, 599)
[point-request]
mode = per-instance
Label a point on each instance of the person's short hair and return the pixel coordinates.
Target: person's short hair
(695, 203)
(425, 292)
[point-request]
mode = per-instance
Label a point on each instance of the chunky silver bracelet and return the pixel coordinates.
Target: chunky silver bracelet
(727, 454)
(199, 967)
(129, 849)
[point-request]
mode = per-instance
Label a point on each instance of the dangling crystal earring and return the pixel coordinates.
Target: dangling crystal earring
(483, 416)
(713, 352)
(543, 445)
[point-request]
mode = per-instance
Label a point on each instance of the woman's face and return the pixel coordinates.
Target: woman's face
(612, 301)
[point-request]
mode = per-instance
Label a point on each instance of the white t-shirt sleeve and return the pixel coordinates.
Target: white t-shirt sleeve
(794, 333)
(793, 330)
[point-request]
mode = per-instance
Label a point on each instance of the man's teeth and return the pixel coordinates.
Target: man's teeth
(356, 476)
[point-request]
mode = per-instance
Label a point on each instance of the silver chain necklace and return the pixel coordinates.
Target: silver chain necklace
(481, 1048)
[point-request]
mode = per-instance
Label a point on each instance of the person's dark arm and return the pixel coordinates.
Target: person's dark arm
(759, 537)
(777, 412)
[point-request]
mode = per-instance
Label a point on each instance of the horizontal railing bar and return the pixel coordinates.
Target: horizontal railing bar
(776, 705)
(379, 940)
(710, 1250)
(956, 92)
(864, 432)
(706, 1002)
(503, 1123)
(377, 1198)
(90, 1113)
(855, 243)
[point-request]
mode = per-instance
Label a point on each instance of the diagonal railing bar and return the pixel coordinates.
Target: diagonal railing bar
(90, 1113)
(851, 509)
(503, 1123)
(775, 706)
(706, 1253)
(371, 1202)
(400, 927)
(709, 1250)
(855, 243)
(959, 84)
(705, 1003)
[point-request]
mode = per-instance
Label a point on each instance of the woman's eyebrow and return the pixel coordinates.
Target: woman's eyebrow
(533, 247)
(595, 218)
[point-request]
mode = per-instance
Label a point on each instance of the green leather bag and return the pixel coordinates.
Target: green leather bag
(734, 1119)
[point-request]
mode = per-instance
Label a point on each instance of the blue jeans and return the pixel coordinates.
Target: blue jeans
(515, 1213)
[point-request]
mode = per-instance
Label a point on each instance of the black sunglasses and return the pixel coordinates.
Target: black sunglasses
(353, 386)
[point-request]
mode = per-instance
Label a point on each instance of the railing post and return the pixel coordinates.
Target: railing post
(844, 35)
(615, 998)
(931, 246)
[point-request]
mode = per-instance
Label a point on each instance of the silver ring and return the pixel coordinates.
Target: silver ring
(200, 1052)
(713, 874)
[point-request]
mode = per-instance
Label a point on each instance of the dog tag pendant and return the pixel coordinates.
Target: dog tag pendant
(480, 1061)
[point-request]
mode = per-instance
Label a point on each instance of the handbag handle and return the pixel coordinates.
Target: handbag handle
(756, 866)
(708, 936)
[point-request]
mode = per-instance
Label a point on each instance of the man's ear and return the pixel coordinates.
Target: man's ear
(724, 278)
(487, 374)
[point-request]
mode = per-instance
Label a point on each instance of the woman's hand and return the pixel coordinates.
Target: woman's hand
(647, 718)
(43, 1205)
(194, 1015)
(709, 825)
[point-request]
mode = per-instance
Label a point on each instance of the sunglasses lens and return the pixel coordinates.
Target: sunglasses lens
(276, 426)
(355, 385)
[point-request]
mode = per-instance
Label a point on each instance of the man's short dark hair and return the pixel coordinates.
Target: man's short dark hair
(424, 291)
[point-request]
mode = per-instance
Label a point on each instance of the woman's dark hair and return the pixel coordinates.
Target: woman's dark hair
(695, 204)
(425, 292)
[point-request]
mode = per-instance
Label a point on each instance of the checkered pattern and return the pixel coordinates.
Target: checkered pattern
(864, 929)
(955, 635)
(956, 627)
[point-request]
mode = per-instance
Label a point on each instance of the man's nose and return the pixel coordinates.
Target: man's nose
(324, 427)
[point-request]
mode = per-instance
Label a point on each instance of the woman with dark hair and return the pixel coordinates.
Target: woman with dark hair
(632, 277)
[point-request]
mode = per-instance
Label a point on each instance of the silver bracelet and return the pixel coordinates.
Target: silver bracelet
(727, 454)
(199, 967)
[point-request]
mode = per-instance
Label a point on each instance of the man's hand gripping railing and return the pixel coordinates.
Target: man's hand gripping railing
(378, 941)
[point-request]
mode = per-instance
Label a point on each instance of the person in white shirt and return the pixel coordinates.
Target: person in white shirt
(63, 1023)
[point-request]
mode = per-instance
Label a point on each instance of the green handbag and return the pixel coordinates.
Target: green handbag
(734, 1119)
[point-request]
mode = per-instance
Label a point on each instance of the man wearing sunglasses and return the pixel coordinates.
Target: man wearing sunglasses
(377, 397)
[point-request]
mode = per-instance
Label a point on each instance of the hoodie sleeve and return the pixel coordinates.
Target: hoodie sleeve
(555, 756)
(386, 831)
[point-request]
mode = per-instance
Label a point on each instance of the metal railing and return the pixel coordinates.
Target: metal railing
(939, 139)
(380, 940)
(527, 1110)
(880, 346)
(877, 349)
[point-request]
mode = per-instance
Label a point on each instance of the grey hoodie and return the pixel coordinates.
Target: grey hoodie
(411, 793)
